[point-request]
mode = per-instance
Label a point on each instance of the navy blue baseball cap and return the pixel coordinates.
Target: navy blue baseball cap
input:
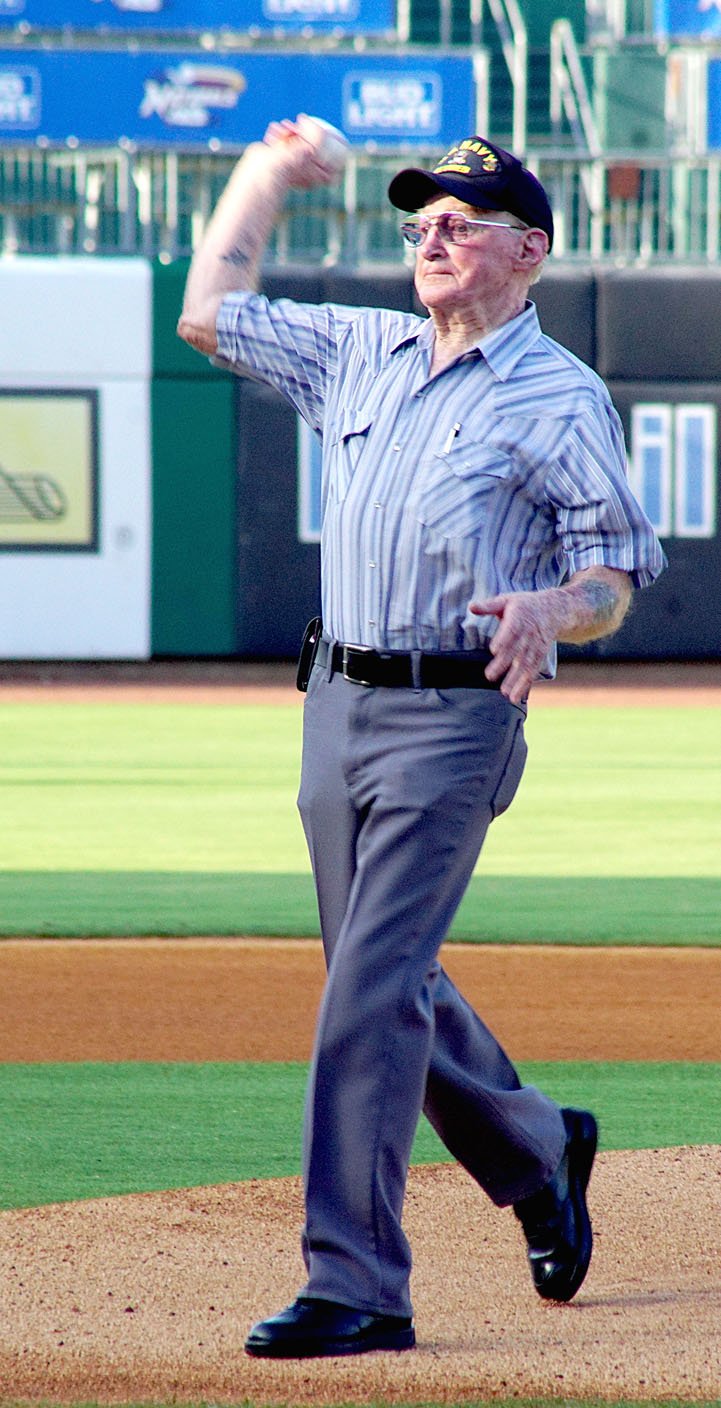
(481, 174)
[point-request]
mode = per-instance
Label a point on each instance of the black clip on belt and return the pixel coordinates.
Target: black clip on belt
(394, 669)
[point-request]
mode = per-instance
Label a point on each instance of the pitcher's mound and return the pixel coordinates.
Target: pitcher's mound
(149, 1297)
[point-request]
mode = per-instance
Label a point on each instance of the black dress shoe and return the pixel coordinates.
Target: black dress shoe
(310, 1328)
(556, 1221)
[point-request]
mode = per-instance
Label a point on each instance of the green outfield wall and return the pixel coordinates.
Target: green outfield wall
(194, 600)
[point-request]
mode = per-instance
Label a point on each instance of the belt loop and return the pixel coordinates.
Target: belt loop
(328, 672)
(416, 669)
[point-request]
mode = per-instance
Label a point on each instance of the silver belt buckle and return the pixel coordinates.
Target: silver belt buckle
(357, 650)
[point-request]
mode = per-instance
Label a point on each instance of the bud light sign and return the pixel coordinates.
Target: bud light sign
(20, 98)
(392, 104)
(310, 11)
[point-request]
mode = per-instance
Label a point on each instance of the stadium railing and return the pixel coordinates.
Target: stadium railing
(619, 207)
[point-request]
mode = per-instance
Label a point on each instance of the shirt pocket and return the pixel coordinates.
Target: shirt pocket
(346, 447)
(457, 489)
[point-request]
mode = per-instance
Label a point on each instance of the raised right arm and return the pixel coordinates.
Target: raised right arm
(231, 251)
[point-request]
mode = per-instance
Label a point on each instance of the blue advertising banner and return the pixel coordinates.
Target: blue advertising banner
(714, 105)
(182, 99)
(686, 19)
(167, 16)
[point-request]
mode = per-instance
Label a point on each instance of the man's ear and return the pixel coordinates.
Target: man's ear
(533, 248)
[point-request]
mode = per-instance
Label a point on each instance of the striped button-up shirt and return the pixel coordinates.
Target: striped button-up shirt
(504, 472)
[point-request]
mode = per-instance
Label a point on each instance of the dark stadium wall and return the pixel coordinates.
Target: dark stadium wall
(233, 574)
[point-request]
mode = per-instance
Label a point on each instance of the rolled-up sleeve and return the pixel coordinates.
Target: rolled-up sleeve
(599, 522)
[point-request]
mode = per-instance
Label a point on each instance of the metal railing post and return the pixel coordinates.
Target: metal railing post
(445, 23)
(713, 209)
(169, 247)
(481, 74)
(513, 35)
(349, 244)
(569, 91)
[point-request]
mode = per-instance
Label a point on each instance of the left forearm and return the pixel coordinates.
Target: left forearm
(592, 604)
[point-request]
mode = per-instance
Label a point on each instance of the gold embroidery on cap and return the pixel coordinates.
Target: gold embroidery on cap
(455, 160)
(488, 157)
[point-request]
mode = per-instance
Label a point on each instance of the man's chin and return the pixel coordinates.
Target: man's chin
(435, 282)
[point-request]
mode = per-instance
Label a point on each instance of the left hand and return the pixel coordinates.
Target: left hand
(529, 625)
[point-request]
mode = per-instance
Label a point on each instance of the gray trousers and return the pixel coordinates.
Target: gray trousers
(398, 788)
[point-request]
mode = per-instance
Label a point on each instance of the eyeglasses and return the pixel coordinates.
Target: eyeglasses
(452, 228)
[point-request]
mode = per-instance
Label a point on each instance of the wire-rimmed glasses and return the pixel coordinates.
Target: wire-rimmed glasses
(452, 227)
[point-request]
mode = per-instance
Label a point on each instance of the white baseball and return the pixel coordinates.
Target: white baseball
(331, 147)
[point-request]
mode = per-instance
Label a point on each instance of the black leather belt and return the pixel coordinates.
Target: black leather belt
(360, 665)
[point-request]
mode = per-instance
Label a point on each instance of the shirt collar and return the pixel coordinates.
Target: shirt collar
(502, 349)
(505, 346)
(423, 335)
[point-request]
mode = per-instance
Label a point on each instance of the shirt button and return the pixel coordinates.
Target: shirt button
(371, 564)
(377, 505)
(371, 623)
(396, 447)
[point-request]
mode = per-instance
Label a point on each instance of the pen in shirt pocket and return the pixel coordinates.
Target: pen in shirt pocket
(451, 437)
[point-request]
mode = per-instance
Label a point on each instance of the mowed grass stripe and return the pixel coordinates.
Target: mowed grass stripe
(513, 909)
(72, 1131)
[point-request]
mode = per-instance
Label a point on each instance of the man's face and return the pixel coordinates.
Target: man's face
(453, 277)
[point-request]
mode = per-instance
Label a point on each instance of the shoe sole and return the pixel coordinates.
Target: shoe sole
(581, 1127)
(398, 1339)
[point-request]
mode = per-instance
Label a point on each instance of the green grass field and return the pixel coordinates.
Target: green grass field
(92, 1129)
(174, 818)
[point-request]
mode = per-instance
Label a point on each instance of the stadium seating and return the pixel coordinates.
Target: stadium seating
(611, 121)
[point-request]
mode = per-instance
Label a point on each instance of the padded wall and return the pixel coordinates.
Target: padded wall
(233, 577)
(659, 324)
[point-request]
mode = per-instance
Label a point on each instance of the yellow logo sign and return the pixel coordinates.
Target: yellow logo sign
(48, 469)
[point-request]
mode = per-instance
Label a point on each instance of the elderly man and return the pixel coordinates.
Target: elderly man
(474, 511)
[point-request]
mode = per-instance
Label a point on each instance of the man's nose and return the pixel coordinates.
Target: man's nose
(432, 243)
